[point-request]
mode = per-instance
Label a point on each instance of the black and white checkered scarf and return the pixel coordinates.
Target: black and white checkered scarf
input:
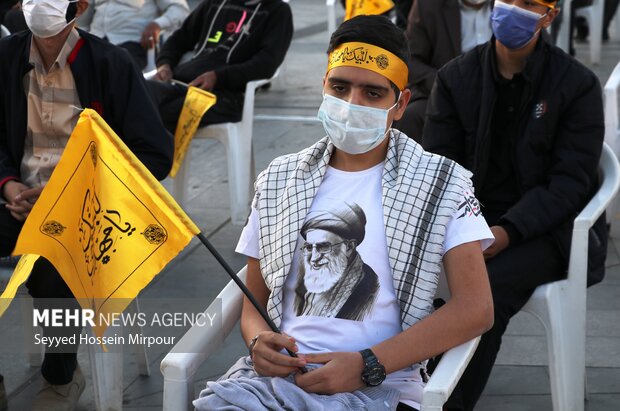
(421, 192)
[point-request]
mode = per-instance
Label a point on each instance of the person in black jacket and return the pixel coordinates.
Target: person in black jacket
(230, 42)
(527, 120)
(11, 16)
(46, 77)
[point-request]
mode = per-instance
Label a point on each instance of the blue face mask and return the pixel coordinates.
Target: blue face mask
(513, 26)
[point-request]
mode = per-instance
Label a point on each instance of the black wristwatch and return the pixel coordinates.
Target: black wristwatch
(374, 372)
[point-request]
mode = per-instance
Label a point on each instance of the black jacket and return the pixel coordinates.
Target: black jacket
(558, 144)
(106, 81)
(243, 40)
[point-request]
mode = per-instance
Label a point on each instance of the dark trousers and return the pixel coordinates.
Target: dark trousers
(44, 283)
(137, 53)
(14, 21)
(169, 100)
(514, 274)
(609, 12)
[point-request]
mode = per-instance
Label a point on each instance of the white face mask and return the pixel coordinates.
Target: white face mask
(46, 18)
(352, 128)
(477, 2)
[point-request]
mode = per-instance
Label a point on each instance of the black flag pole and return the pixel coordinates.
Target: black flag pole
(245, 290)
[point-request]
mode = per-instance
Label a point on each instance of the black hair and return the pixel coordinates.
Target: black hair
(71, 11)
(376, 30)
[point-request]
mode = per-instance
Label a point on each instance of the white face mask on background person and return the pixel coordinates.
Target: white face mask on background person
(46, 18)
(352, 128)
(478, 2)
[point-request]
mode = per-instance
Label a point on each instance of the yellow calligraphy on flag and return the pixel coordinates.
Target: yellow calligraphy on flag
(367, 7)
(197, 102)
(104, 221)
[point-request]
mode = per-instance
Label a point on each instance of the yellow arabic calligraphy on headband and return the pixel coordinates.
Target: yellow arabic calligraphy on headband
(370, 57)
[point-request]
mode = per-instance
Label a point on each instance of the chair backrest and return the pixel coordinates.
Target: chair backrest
(610, 173)
(612, 134)
(250, 91)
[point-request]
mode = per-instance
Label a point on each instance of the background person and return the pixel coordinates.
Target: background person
(231, 42)
(438, 31)
(47, 75)
(528, 122)
(11, 16)
(134, 24)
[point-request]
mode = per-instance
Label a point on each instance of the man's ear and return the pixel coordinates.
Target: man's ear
(405, 95)
(551, 15)
(82, 6)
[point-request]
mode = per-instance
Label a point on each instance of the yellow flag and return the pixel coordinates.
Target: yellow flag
(104, 221)
(197, 102)
(366, 7)
(20, 275)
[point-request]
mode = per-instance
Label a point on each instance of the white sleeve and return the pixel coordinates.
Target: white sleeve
(174, 12)
(248, 240)
(468, 224)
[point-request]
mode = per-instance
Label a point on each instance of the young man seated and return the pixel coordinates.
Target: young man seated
(345, 243)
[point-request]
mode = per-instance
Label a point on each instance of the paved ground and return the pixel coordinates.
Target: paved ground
(520, 378)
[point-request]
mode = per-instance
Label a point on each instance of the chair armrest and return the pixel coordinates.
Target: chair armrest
(446, 375)
(199, 342)
(150, 74)
(248, 101)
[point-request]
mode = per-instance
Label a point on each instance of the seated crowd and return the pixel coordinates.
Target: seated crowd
(494, 150)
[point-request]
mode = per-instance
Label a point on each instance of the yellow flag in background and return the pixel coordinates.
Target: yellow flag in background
(197, 102)
(366, 7)
(104, 221)
(20, 275)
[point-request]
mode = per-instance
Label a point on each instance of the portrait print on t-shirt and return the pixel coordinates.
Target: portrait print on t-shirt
(333, 280)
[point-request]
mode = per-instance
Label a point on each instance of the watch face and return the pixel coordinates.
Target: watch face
(374, 376)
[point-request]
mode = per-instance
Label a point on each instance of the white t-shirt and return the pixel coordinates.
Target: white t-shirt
(324, 316)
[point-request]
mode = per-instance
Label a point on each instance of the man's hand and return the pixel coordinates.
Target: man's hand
(501, 242)
(150, 35)
(20, 198)
(205, 81)
(342, 372)
(164, 73)
(269, 361)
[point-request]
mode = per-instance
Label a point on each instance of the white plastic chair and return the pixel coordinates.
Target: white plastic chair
(331, 16)
(4, 32)
(612, 132)
(150, 61)
(617, 19)
(612, 129)
(594, 16)
(561, 305)
(200, 342)
(106, 367)
(237, 138)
